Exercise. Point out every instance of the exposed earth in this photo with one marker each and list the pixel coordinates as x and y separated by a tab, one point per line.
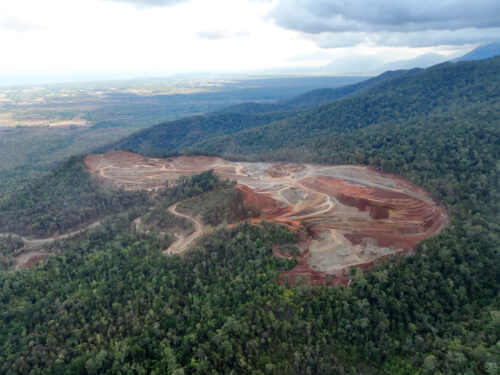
29	256
351	215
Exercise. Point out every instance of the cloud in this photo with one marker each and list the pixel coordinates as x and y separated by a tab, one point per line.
141	4
391	22
426	38
149	3
14	24
216	34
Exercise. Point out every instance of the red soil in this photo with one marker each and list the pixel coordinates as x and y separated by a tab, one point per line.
261	202
355	216
33	260
400	220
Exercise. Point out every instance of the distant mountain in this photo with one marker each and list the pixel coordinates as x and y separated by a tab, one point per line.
422	61
482	52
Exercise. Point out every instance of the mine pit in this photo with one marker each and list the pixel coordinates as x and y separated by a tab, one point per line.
354	215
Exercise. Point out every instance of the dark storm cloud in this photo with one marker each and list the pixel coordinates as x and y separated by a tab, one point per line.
396	22
425	38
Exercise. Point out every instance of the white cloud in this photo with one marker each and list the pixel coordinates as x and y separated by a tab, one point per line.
102	36
216	34
13	24
149	3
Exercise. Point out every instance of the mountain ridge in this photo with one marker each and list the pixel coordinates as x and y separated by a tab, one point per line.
482	52
392	96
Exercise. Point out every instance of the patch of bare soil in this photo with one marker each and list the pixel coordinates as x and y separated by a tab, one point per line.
354	215
30	258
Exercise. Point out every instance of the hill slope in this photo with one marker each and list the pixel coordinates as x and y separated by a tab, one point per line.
64	199
252	128
185	133
447	88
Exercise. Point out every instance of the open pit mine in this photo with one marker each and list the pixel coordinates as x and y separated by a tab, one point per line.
352	215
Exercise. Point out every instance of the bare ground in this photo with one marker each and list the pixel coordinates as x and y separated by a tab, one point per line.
354	215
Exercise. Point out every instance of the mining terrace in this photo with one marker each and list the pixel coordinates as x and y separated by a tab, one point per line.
354	215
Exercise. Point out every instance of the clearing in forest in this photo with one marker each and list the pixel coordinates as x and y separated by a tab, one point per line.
353	215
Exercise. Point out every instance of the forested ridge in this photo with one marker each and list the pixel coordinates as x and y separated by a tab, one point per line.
314	97
187	133
466	87
463	90
181	134
111	303
66	198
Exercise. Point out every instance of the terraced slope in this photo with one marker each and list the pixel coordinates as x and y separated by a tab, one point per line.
354	215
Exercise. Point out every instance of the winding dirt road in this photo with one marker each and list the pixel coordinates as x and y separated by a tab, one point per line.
26	258
39	242
183	242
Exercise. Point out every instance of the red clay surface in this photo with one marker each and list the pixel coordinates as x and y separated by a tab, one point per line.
349	216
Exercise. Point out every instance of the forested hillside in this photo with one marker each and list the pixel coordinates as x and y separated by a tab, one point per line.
398	97
462	90
179	135
64	199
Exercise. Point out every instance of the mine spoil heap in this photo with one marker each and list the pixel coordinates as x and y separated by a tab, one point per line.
354	215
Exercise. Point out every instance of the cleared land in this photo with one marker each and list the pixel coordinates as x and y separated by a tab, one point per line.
352	215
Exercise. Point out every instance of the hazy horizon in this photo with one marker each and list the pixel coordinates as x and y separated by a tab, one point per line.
60	41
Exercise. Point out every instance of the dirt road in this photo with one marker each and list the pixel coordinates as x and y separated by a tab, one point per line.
26	258
39	242
183	242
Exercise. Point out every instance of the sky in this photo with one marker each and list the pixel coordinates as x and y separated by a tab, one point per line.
134	38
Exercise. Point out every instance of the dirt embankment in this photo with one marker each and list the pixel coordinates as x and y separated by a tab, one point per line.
354	215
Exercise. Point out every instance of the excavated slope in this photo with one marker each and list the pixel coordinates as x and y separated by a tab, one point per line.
353	215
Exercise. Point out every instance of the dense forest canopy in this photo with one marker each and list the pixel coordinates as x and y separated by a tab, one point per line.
111	303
